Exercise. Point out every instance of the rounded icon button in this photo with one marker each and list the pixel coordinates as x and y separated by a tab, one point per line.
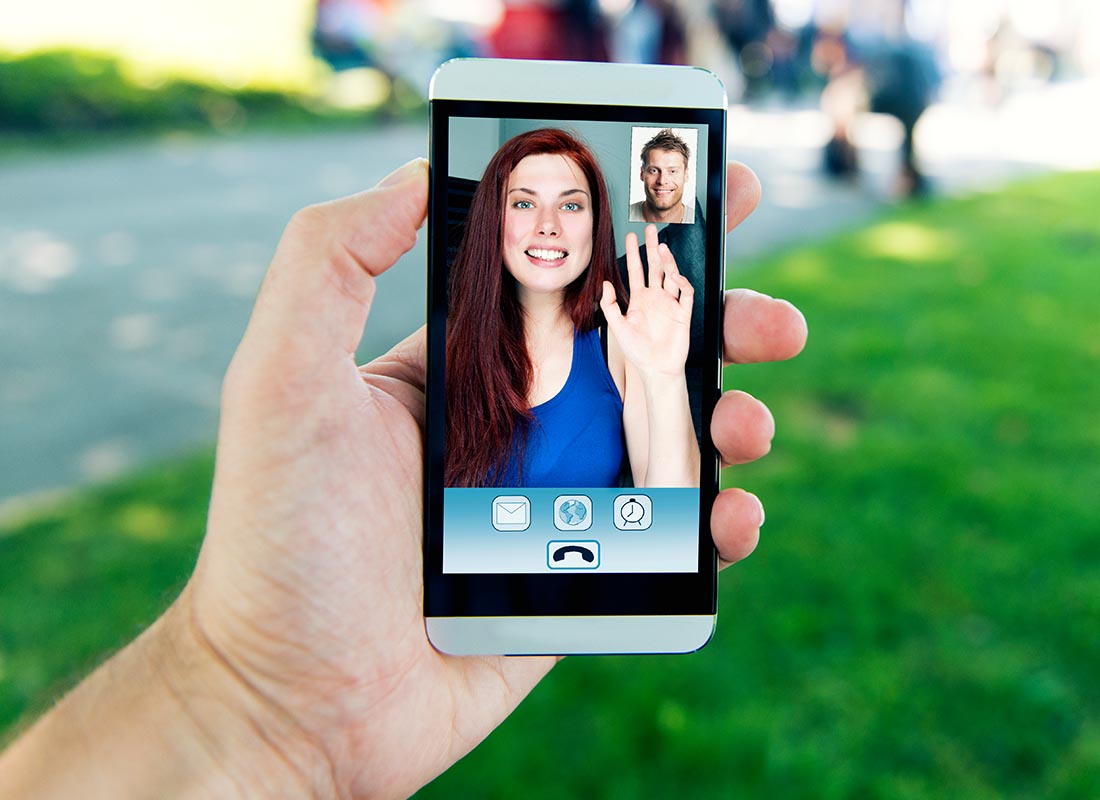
511	513
633	512
573	555
572	512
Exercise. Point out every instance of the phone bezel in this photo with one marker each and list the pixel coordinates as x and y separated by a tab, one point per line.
633	596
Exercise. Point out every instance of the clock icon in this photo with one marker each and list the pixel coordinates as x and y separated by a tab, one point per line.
633	512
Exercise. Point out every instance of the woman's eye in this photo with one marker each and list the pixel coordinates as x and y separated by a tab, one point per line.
571	207
523	204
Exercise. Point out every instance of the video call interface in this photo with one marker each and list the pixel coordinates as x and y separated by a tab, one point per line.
565	499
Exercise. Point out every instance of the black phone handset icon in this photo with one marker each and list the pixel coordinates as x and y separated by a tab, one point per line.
583	552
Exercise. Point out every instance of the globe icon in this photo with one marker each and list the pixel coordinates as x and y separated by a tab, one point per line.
572	512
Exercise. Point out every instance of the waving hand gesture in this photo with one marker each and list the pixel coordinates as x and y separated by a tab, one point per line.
656	331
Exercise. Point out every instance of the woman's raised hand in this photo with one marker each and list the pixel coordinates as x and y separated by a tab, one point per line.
655	332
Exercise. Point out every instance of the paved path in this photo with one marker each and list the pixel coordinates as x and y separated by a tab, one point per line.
127	275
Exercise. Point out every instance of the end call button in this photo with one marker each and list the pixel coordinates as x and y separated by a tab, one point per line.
573	554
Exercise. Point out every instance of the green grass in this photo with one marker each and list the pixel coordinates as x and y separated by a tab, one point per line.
80	580
71	98
921	618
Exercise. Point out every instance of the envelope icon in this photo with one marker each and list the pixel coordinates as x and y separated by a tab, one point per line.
511	513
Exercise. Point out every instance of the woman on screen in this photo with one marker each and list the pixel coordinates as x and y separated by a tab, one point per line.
550	368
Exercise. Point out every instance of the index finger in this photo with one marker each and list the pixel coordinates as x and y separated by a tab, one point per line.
742	193
755	327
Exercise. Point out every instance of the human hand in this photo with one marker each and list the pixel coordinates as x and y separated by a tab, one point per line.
655	332
296	661
310	581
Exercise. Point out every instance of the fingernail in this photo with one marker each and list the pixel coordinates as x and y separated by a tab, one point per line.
761	506
403	173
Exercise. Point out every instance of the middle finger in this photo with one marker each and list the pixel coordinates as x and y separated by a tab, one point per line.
653	258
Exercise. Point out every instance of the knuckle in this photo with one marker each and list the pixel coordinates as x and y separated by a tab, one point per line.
307	222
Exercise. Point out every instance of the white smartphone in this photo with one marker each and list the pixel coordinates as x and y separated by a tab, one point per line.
569	472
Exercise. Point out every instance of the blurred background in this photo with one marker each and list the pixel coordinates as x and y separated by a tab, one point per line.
920	619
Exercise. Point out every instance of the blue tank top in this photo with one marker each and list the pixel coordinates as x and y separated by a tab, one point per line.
576	440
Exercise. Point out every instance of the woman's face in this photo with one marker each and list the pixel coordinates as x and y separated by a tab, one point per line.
547	223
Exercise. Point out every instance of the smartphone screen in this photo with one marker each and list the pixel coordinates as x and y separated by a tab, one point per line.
569	463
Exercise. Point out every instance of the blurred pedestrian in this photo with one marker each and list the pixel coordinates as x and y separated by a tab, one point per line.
345	34
650	32
747	26
901	79
884	71
842	98
554	30
636	34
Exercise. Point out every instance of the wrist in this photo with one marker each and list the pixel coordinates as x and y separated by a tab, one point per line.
237	741
663	384
163	718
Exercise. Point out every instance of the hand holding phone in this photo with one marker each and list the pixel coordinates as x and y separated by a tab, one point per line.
302	622
342	542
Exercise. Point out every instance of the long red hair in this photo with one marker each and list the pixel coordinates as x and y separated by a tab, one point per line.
489	371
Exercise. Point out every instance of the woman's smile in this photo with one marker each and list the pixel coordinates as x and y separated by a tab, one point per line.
546	257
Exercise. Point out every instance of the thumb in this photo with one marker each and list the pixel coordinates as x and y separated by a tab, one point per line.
316	295
610	308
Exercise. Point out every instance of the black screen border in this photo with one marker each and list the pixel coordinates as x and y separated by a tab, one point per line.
586	594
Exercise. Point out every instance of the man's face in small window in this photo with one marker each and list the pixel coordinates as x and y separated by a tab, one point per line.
664	175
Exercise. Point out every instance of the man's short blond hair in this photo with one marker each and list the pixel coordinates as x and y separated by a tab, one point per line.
666	140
